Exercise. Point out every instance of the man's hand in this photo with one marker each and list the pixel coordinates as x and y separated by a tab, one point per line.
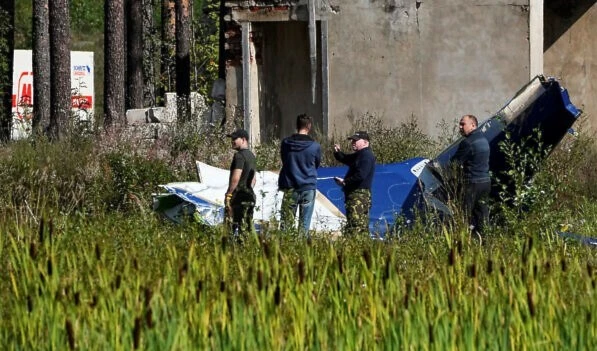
227	204
336	148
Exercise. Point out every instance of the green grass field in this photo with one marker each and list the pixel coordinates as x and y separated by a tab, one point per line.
84	264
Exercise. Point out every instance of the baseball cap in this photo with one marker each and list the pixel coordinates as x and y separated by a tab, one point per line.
359	135
239	133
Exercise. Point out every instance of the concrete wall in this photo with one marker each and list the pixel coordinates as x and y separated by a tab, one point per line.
279	81
435	60
571	51
285	81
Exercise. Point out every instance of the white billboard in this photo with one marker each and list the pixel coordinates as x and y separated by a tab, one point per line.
22	89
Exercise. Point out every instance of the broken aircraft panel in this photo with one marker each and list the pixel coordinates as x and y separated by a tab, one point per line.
414	186
403	189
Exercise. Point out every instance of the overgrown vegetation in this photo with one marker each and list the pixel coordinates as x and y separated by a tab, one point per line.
87	265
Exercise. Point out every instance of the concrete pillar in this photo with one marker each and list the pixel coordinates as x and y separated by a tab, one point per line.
535	37
246	54
254	125
250	86
325	78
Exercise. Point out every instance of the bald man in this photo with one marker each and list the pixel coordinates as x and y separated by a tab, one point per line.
473	156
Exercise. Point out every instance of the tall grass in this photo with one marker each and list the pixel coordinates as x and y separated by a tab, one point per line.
136	283
85	265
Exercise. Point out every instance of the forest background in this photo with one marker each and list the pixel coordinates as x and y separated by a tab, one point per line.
153	52
86	264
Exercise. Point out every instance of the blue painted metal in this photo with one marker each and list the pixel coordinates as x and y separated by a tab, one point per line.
542	105
580	238
395	192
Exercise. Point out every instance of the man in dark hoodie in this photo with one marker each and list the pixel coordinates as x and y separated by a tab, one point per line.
473	156
357	182
301	156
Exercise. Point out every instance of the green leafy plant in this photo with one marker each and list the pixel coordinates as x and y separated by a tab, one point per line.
519	193
205	49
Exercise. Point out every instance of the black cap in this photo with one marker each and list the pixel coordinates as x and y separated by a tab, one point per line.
359	135
239	133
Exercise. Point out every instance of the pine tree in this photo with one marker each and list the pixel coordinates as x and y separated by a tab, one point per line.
114	104
183	61
41	65
134	54
60	68
7	18
168	46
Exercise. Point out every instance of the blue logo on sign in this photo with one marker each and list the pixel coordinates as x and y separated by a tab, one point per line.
84	68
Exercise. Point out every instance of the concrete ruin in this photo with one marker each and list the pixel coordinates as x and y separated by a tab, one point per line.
151	122
435	60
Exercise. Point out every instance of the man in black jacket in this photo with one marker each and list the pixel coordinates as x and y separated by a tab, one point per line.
473	156
357	182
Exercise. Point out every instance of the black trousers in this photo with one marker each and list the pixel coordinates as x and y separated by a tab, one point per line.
243	206
476	196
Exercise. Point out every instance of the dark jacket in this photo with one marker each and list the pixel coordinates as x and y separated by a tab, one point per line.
473	155
361	167
301	156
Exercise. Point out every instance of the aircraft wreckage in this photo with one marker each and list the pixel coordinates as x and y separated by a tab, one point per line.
400	189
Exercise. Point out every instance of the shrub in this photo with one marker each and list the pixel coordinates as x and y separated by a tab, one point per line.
574	165
80	174
192	142
133	178
389	143
47	174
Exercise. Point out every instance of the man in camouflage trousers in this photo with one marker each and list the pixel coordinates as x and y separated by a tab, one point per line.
357	182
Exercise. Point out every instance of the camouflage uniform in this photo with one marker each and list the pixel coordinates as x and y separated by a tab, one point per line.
358	204
357	184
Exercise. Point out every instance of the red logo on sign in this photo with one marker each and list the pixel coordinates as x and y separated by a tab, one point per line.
24	90
82	102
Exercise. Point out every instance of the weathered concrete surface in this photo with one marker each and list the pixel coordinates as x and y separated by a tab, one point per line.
285	83
571	51
435	60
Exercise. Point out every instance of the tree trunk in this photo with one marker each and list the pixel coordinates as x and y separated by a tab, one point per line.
114	63
60	88
168	45
41	66
148	55
134	62
183	62
7	25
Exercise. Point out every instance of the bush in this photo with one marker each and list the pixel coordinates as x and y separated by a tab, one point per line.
52	175
81	174
268	155
133	178
389	143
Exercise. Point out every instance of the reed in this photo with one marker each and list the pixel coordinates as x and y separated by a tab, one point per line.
82	271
